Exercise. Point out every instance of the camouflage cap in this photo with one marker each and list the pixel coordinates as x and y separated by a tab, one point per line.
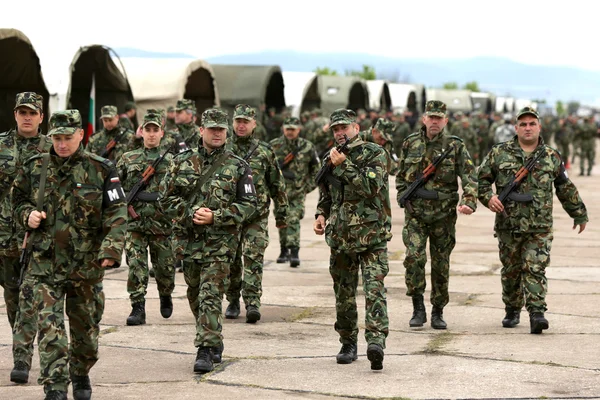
318	112
108	112
170	109
244	111
213	118
30	100
291	122
385	127
528	110
153	116
342	116
130	105
185	104
435	108
65	122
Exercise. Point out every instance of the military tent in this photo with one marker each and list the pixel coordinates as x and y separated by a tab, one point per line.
505	105
96	63
407	97
160	82
379	95
254	85
456	100
483	102
301	91
342	92
20	71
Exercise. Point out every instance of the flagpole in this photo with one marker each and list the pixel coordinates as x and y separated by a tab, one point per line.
91	126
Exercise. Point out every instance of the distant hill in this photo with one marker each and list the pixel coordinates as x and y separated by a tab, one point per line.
129	52
497	75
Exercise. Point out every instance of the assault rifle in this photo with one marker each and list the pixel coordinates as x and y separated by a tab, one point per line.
416	188
509	191
136	191
328	165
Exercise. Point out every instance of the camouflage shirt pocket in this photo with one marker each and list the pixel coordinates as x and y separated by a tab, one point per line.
88	206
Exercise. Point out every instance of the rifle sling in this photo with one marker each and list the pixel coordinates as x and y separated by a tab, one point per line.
251	151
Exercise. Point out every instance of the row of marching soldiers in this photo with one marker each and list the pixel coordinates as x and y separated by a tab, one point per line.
195	196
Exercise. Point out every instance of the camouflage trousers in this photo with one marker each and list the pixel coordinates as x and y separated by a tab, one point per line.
83	302
586	154
524	258
442	238
344	269
206	286
290	235
246	271
564	149
9	280
161	256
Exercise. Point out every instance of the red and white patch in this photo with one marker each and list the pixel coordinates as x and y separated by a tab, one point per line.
115	179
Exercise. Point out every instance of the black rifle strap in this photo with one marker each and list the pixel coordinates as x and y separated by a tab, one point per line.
252	150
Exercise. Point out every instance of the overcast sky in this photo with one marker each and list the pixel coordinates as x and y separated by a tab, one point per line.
528	31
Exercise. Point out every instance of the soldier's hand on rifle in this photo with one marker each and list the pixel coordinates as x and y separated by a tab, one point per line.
465	210
495	205
581	227
203	216
336	157
35	218
319	225
107	263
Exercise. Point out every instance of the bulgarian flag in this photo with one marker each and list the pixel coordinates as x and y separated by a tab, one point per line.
91	125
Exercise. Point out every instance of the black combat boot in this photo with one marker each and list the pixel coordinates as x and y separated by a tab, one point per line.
538	322
20	372
166	306
217	353
138	314
581	173
375	355
233	310
204	362
294	257
284	256
82	388
252	314
419	316
55	395
437	318
347	354
512	317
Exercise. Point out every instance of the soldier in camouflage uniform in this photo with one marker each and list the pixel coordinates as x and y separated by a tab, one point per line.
78	232
150	229
126	119
170	122
524	229
353	199
462	129
209	192
481	125
299	163
433	219
247	268
16	147
185	116
587	145
562	138
124	138
380	134
400	132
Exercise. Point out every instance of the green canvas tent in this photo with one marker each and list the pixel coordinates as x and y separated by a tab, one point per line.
254	85
342	92
456	100
20	71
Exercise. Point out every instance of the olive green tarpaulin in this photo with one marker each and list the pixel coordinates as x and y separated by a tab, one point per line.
20	71
254	85
456	100
112	86
342	92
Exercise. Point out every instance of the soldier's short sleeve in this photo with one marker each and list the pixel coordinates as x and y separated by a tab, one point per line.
113	192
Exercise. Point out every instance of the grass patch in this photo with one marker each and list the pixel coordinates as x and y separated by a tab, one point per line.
437	343
305	313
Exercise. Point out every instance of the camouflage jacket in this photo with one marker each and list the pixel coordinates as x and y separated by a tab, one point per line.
266	174
587	135
14	151
401	131
469	138
300	173
500	166
229	193
417	153
125	142
358	213
126	122
86	215
190	133
130	168
390	152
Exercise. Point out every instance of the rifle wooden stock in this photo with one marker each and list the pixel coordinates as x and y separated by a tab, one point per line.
132	213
